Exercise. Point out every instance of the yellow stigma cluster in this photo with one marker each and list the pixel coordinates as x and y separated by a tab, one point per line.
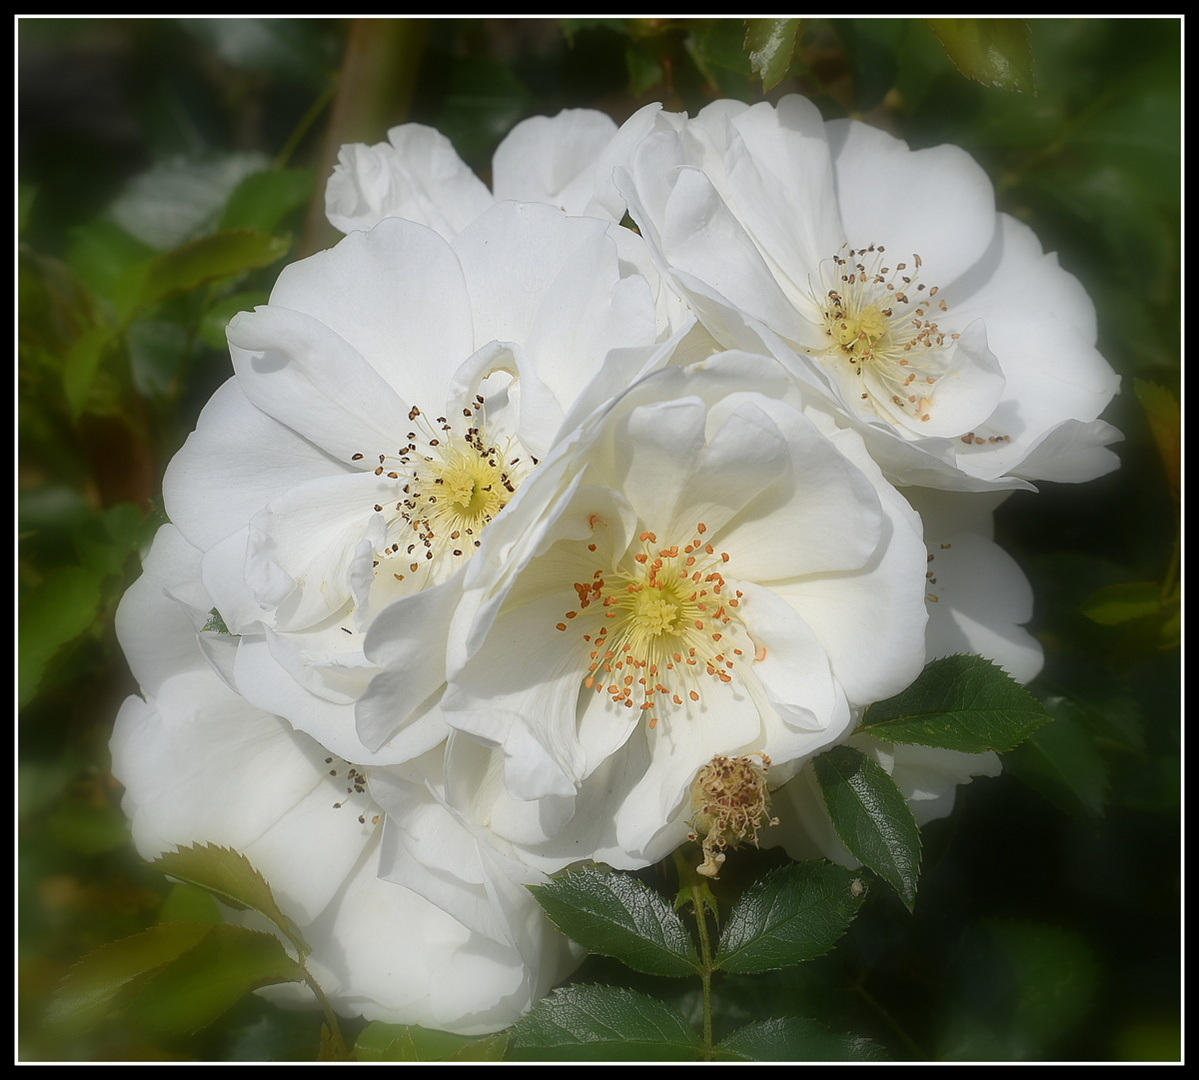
452	483
659	622
882	322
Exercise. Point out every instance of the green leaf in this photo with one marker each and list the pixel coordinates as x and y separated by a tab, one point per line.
107	538
82	363
264	199
189	903
771	46
603	1023
793	1039
225	965
199	262
397	1042
1165	421
792	914
618	916
230	877
871	817
95	984
385	1042
1017	989
214	321
1115	604
216	624
994	52
61	608
963	703
1062	762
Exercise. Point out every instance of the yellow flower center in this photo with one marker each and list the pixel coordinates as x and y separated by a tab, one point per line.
659	623
882	322
451	482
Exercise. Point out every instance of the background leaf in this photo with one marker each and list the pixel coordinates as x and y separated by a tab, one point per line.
994	52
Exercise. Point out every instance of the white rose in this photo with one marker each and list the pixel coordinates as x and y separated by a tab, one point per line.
702	570
962	353
201	765
387	403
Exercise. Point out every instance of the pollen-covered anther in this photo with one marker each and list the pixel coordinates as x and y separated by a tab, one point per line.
888	338
664	611
730	803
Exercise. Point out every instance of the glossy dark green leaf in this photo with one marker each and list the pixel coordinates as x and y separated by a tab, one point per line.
97	982
994	52
794	1039
61	608
200	262
194	989
963	703
602	1023
771	46
616	915
230	877
871	817
792	914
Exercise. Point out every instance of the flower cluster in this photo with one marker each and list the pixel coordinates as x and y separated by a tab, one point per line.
520	538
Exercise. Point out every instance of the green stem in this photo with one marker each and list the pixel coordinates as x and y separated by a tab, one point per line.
337	1043
695	889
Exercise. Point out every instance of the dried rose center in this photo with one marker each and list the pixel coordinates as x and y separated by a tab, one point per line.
659	623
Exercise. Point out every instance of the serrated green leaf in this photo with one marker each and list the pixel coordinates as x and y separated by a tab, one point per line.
963	703
189	903
994	52
792	914
95	985
794	1039
199	262
1115	604
871	817
230	877
215	624
618	916
771	46
261	200
62	607
602	1023
202	983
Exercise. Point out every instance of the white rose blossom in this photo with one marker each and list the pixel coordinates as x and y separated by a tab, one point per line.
203	766
962	353
564	161
387	403
702	569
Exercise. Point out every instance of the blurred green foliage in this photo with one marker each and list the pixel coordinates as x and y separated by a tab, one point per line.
167	170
